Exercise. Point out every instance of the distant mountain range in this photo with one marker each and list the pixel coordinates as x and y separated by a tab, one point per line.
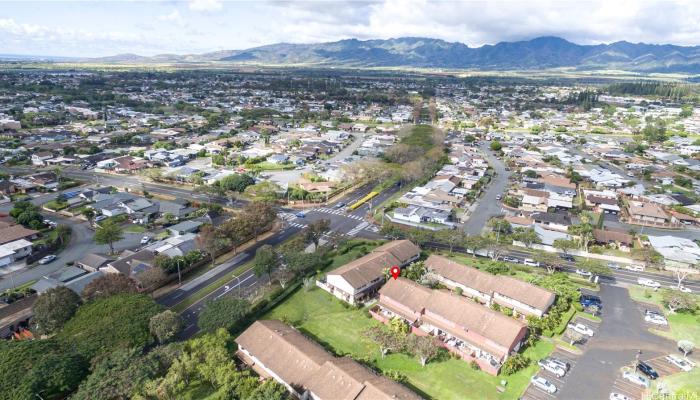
540	53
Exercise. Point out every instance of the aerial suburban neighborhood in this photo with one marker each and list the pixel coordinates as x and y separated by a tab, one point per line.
263	224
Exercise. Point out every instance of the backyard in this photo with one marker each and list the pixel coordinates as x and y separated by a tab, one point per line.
339	328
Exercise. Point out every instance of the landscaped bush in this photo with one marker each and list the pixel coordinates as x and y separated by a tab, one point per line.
514	364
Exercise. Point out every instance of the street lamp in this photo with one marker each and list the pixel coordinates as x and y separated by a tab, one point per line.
179	275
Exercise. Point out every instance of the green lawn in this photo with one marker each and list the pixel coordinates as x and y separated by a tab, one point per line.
683	381
682	325
421	135
340	328
135	229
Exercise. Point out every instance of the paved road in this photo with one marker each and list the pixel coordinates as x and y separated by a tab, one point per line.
81	243
621	334
487	205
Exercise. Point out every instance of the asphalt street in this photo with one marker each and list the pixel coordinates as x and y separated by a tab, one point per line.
615	344
488	206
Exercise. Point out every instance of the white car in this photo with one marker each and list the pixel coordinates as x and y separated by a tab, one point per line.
636	379
531	262
680	362
636	268
681	288
100	218
552	367
618	396
145	240
648	283
583	272
582	329
543	384
47	259
655	319
613	265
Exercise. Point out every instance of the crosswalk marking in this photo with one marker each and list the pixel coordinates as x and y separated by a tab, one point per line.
337	212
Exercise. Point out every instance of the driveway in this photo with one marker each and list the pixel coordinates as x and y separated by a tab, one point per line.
620	336
81	243
487	206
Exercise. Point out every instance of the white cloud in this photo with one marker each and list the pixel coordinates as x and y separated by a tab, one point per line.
173	17
205	5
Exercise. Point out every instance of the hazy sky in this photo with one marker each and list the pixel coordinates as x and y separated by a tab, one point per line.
98	28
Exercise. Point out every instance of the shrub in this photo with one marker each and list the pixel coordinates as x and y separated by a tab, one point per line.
475	365
514	364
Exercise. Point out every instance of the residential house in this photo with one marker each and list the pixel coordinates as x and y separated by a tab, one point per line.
621	240
39	158
679	253
275	350
189	226
646	213
92	262
13	251
12	233
465	328
523	297
358	280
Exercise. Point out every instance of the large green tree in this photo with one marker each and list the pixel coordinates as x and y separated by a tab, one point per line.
108	285
165	326
110	323
39	367
225	312
54	308
265	261
108	232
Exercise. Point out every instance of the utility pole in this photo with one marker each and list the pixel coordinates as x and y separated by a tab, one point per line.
179	276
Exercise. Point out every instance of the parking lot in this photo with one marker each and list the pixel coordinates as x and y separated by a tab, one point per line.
533	392
654	308
636	392
584	343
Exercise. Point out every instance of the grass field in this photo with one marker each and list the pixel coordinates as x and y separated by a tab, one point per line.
682	325
684	381
339	328
421	135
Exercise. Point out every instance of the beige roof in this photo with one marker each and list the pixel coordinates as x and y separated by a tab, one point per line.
647	209
303	363
284	350
471	316
485	282
366	269
403	250
401	290
465	314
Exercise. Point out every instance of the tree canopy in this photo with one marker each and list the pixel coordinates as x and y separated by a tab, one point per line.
54	308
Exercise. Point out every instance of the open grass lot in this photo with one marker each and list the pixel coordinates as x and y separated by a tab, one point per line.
339	328
683	381
682	325
420	135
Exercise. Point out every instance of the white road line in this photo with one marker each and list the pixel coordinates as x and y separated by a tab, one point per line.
235	286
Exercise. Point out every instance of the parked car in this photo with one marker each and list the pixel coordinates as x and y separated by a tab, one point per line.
567	257
613	265
681	288
563	364
531	262
618	396
552	367
636	379
145	239
681	362
47	259
498	197
543	384
648	283
581	328
511	259
655	318
588	300
583	272
647	370
636	268
300	215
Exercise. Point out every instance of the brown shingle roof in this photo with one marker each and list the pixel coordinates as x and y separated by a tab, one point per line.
612	236
366	269
487	283
15	232
303	363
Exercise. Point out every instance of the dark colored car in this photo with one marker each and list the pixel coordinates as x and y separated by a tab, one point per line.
567	257
588	300
647	370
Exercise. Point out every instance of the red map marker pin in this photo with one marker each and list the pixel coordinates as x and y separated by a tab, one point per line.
395	271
